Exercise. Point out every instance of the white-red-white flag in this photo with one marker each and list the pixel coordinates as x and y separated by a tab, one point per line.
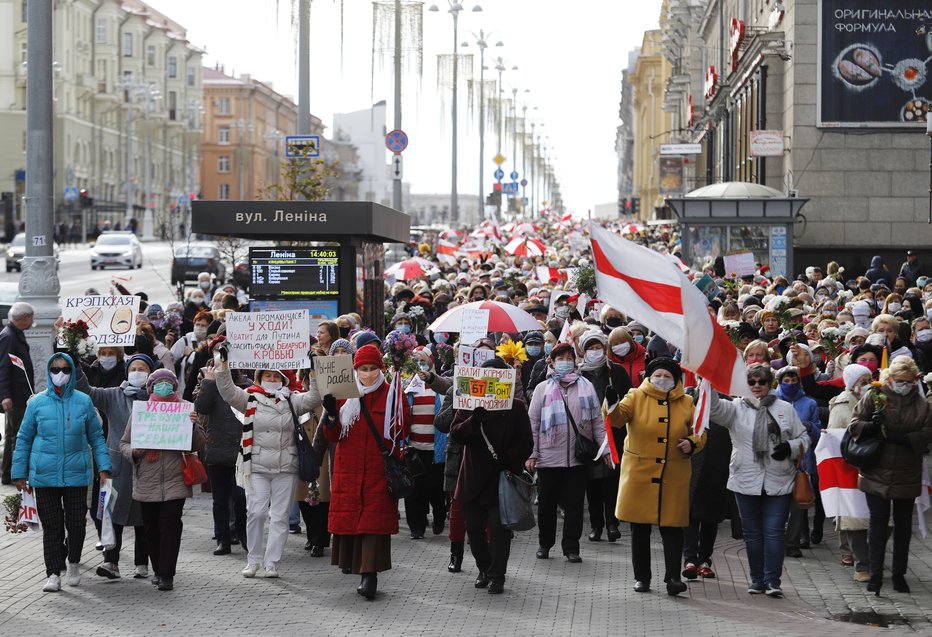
701	412
447	252
16	360
565	335
647	287
838	480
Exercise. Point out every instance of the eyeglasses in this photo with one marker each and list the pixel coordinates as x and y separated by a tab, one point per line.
55	370
758	381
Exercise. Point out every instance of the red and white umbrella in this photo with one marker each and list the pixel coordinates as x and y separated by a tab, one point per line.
631	228
524	229
410	269
503	317
524	247
451	234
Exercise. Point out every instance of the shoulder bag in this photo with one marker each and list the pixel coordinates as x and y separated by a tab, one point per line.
586	449
192	470
803	496
308	462
863	453
399	478
515	496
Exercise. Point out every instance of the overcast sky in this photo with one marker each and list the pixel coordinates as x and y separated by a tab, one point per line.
570	55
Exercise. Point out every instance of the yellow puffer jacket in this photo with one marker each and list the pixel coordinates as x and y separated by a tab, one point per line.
654	486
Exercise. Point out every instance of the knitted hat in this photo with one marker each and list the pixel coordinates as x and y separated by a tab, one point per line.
588	338
533	337
789	369
154	310
559	349
401	316
426	353
855	333
634	325
853	373
340	342
140	357
667	363
160	375
368	355
866	348
257	377
366	338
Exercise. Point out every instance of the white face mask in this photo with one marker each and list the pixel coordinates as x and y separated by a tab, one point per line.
622	349
200	333
902	387
924	336
859	389
368	379
595	356
60	379
137	379
107	362
663	383
270	386
197	299
894	307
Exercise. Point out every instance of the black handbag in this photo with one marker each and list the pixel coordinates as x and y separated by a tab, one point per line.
397	475
413	461
308	462
515	496
863	453
586	449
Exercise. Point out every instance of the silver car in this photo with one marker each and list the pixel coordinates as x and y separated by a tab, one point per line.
17	250
116	249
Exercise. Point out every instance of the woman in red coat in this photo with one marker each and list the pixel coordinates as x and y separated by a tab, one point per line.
363	514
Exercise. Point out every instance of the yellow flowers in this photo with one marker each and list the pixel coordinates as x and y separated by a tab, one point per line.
512	351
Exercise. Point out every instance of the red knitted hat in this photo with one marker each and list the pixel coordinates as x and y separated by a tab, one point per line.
368	355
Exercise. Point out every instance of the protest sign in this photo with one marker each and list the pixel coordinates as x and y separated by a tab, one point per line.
473	356
162	425
111	320
475	325
741	263
708	287
335	376
487	387
268	340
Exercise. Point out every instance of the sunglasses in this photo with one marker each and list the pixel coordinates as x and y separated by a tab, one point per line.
758	381
55	370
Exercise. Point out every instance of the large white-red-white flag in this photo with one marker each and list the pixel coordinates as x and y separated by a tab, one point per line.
838	480
646	286
447	252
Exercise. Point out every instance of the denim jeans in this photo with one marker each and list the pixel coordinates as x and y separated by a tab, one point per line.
764	520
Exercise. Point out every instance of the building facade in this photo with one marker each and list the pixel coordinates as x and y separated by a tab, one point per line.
127	91
366	130
624	137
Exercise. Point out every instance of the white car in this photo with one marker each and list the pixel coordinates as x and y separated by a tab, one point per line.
116	248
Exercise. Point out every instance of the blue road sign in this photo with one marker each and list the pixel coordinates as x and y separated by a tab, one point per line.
71	193
396	141
523	183
514	175
499	174
302	146
510	188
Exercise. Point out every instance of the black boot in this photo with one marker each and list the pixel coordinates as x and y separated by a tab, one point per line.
613	532
899	584
456	557
482	580
222	549
595	535
875	585
368	585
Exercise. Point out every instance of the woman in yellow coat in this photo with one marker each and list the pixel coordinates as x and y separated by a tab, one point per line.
655	468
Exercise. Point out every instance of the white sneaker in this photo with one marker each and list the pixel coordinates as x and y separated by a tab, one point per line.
73	576
109	570
53	585
141	572
250	570
271	572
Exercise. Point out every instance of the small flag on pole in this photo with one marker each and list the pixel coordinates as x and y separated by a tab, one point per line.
701	413
16	360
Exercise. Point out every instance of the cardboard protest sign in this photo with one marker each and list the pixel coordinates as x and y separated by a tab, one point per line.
741	263
162	425
475	325
487	387
335	376
111	320
473	356
268	340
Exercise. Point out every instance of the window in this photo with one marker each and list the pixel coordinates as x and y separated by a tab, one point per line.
101	75
127	45
191	75
100	36
172	67
150	55
223	191
223	105
223	135
172	105
23	46
223	164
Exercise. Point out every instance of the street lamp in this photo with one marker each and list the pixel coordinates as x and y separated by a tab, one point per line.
454	10
482	43
150	93
929	133
500	116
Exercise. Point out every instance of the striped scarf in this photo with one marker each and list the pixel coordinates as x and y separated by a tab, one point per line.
248	419
553	411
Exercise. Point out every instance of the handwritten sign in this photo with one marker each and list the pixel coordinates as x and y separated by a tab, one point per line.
475	325
162	425
487	387
268	340
473	356
741	263
110	319
335	376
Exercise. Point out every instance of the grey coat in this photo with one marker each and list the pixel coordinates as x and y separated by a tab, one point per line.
442	422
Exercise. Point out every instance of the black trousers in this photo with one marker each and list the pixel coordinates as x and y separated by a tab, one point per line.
163	534
672	537
61	509
564	486
225	491
877	533
315	519
491	558
602	495
140	547
428	494
699	540
13	419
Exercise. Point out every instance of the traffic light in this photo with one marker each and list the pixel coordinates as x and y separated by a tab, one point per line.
636	205
86	201
495	197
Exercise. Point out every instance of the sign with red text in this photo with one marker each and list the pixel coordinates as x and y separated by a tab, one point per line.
162	425
111	320
767	143
268	340
487	387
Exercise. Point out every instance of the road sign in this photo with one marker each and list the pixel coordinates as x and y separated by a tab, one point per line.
680	149
396	167
499	174
523	183
302	146
396	141
514	175
510	188
499	159
71	193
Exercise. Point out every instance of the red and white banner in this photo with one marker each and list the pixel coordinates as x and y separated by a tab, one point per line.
646	286
838	480
546	274
447	252
701	412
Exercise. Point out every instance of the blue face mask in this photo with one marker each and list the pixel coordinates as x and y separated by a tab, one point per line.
533	350
440	338
163	389
404	329
563	366
790	390
639	338
548	347
424	367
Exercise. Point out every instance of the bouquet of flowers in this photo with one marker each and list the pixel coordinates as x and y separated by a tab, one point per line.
444	356
833	340
512	352
732	329
11	504
398	347
418	317
585	281
780	306
74	338
171	323
390	310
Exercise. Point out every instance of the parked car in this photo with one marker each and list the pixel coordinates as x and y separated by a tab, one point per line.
17	250
9	294
191	259
116	248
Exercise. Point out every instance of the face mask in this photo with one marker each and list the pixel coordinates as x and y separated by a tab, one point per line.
137	379
440	338
59	379
894	307
595	356
404	329
424	367
902	387
562	312
109	362
639	339
621	349
924	336
859	390
200	333
790	390
663	384
344	332
563	367
613	321
871	365
163	389
533	350
929	313
197	300
204	285
548	347
368	378
270	386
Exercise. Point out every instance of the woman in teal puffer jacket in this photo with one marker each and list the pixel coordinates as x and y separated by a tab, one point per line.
52	453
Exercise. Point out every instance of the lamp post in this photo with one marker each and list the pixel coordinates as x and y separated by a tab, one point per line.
500	116
929	133
482	43
151	94
454	10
